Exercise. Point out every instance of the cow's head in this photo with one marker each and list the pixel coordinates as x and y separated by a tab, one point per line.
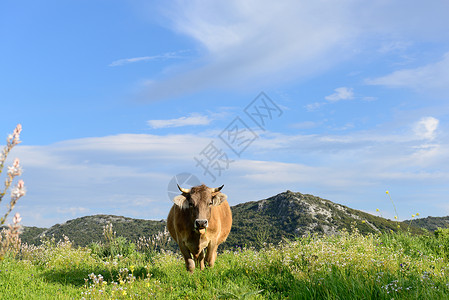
199	201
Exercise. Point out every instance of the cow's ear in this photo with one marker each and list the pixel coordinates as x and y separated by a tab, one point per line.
218	198
181	201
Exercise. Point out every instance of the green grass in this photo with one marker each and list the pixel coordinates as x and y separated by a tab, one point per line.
347	266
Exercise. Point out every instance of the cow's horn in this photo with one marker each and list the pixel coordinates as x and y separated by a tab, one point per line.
185	191
217	189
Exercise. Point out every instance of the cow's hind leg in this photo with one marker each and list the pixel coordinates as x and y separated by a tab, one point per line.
211	254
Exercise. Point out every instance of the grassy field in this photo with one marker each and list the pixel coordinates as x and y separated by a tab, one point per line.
347	266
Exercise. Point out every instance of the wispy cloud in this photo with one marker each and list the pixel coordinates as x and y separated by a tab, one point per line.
314	106
394	47
73	210
125	61
431	76
305	125
191	120
341	93
239	53
242	39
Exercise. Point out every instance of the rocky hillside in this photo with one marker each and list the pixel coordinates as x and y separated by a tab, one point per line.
291	215
287	215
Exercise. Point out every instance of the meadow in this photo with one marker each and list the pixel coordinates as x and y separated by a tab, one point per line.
344	266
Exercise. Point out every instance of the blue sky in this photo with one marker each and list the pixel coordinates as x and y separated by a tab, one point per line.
118	97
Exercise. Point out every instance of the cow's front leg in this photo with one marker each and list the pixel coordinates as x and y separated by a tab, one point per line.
190	264
211	254
200	260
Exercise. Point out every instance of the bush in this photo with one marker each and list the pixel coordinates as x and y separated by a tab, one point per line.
442	236
113	246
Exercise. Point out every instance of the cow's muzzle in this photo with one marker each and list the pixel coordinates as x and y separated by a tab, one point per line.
201	224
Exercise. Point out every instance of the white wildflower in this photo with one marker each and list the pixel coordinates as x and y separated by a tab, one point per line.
17	218
18	191
15	169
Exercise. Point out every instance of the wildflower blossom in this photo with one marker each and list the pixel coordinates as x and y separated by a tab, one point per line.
17	218
18	191
15	169
16	134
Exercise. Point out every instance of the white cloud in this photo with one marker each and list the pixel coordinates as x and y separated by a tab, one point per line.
73	210
193	119
251	42
426	128
369	98
394	47
341	93
431	76
305	125
314	106
128	174
260	43
124	61
354	169
111	174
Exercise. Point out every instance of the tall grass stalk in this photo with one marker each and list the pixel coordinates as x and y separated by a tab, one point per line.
9	237
394	206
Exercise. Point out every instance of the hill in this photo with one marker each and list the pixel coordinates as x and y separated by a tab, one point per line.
431	223
85	230
291	215
287	215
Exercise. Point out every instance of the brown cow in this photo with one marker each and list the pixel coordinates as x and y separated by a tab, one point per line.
200	219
